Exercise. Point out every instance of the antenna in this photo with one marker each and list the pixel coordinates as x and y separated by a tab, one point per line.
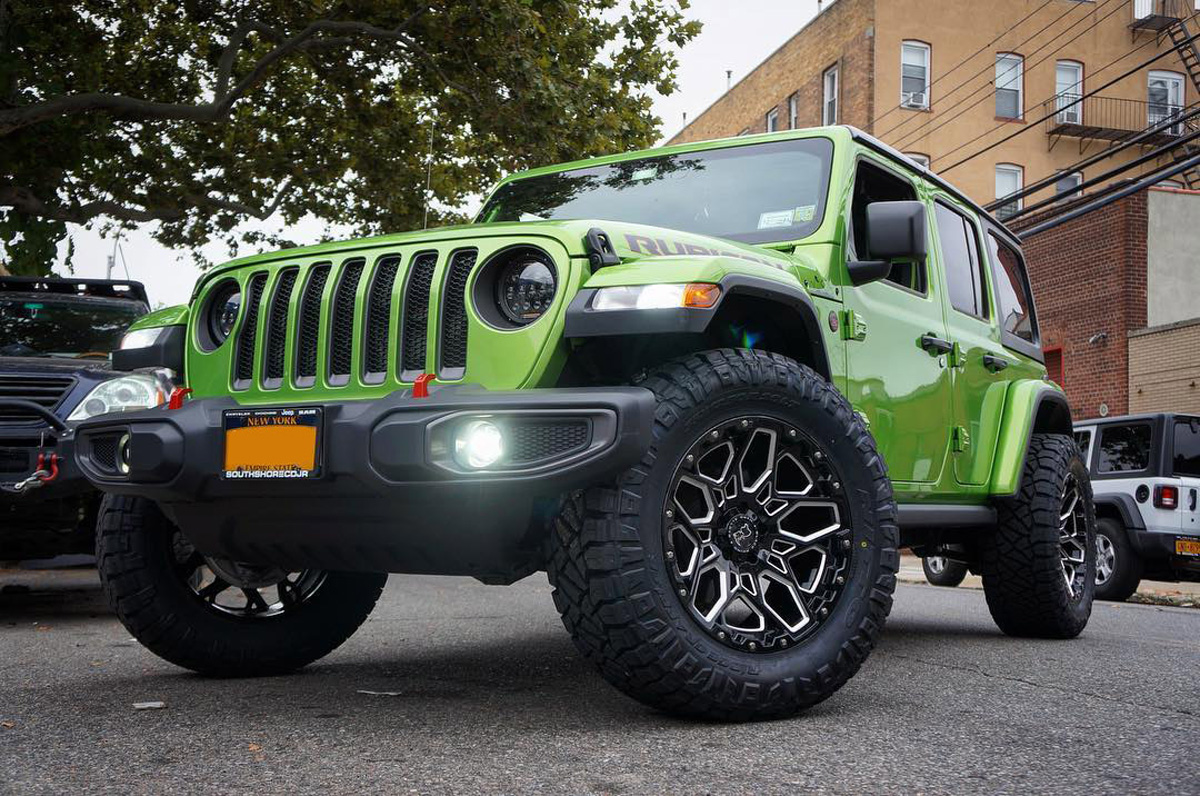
428	175
685	118
728	79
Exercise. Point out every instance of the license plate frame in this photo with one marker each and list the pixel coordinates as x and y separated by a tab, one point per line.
1187	546
272	444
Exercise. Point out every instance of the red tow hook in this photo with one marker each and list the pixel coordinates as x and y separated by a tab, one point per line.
47	465
177	396
421	385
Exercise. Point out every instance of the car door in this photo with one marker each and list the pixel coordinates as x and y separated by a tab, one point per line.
902	388
1186	467
1125	463
977	360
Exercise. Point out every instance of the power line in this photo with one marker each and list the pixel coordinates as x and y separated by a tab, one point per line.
1192	111
911	135
970	57
1113	196
1057	110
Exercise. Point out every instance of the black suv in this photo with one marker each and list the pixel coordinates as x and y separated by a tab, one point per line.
56	341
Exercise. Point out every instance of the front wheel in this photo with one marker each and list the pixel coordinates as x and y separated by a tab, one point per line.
942	571
216	616
1039	565
744	568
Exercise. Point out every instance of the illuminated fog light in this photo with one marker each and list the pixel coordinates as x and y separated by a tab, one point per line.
478	444
123	454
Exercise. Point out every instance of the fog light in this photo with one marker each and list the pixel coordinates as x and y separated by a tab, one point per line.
123	454
478	444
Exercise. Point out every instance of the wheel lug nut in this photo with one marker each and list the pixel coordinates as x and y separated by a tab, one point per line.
683	592
670	513
846	544
824	612
753	646
840	580
721	635
670	555
792	433
714	434
783	642
690	458
818	456
744	423
837	484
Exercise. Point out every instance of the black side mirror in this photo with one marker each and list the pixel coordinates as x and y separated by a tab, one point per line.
895	231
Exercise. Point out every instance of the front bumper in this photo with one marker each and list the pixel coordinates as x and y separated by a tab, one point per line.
389	495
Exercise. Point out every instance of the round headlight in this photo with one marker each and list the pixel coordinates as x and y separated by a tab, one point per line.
223	312
525	289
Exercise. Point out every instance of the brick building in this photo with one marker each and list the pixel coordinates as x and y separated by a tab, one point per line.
942	79
1118	297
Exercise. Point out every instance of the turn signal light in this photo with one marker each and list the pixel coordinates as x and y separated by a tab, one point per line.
1166	496
701	296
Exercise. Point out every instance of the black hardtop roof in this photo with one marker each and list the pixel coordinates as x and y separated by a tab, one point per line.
66	286
1145	416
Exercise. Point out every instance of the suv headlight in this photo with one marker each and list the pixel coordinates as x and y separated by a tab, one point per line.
124	393
656	297
525	287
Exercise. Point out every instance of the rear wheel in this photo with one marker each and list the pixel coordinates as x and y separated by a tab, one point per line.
217	616
1118	567
1039	565
745	567
941	571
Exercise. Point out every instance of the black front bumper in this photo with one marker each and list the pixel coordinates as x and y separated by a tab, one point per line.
390	495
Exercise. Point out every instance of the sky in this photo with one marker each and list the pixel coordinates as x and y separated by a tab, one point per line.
737	36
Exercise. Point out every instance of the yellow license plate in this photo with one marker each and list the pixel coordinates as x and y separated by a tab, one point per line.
272	443
1187	547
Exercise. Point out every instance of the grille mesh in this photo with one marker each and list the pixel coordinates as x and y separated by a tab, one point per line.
309	327
104	452
14	461
416	313
277	324
244	367
453	345
379	318
45	391
341	345
531	442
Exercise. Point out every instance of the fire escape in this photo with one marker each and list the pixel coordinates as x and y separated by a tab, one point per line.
1190	55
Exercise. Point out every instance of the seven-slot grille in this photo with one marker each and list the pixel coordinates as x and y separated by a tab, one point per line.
293	303
45	391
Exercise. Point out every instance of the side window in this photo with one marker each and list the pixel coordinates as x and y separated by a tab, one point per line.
875	184
959	247
1187	447
1124	449
1012	291
1083	438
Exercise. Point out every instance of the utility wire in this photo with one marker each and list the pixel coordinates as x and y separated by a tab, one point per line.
1057	110
1192	111
912	134
971	57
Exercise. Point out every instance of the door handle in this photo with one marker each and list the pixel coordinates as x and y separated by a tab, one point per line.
1192	500
994	363
936	345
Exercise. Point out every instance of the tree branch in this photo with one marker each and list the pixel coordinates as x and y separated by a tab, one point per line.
224	97
241	208
26	201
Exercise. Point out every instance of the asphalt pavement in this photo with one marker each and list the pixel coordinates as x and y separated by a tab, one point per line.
457	687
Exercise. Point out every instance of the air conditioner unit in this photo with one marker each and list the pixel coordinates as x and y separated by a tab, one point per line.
914	99
1068	116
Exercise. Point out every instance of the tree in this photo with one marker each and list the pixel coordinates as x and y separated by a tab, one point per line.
197	115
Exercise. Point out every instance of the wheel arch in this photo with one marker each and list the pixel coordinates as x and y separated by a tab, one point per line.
752	312
1031	406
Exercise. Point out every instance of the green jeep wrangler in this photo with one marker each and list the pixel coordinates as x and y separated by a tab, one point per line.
709	389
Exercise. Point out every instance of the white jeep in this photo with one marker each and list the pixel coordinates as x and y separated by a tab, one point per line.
1145	477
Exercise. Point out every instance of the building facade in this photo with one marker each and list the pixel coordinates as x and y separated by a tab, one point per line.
942	80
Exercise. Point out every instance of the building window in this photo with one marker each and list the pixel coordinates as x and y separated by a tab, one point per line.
1067	184
829	106
793	112
1068	88
914	74
1009	179
1009	86
917	157
1165	99
772	120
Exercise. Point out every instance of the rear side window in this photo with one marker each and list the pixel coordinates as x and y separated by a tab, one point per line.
1187	447
1124	449
959	248
1012	291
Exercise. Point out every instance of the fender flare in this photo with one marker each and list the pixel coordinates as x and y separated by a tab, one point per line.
584	322
1031	406
1127	509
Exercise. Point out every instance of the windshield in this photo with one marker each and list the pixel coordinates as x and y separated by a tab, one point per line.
755	193
63	327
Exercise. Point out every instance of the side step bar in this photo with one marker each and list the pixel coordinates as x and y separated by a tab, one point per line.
919	515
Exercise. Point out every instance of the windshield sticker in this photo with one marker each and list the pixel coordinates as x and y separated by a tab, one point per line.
804	214
645	174
775	218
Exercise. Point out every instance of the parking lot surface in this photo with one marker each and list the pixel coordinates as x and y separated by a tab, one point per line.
456	687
